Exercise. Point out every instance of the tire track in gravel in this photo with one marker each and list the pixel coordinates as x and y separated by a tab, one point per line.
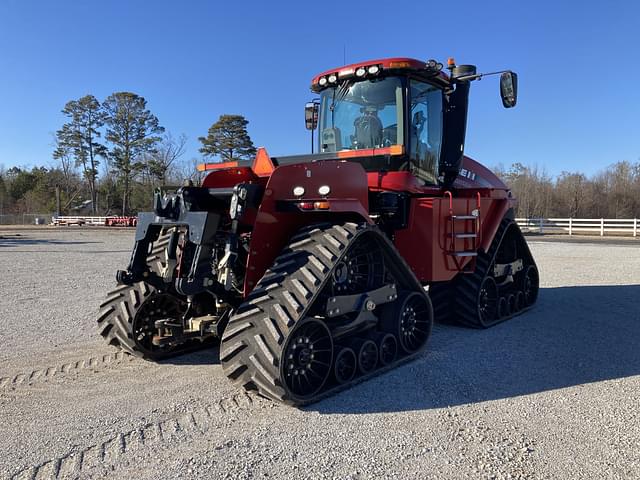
178	428
43	374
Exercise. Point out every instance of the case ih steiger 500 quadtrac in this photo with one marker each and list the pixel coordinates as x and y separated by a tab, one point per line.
317	271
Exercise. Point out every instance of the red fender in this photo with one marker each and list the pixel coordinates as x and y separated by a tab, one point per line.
348	200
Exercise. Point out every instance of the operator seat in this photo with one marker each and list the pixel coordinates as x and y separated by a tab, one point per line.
417	146
368	130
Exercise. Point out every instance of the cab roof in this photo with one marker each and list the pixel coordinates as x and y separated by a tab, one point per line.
394	63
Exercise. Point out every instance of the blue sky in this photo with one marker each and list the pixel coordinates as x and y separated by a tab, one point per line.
578	66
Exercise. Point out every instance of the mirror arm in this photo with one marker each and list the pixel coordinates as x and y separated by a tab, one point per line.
477	76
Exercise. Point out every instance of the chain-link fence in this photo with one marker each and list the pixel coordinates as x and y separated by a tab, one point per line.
26	219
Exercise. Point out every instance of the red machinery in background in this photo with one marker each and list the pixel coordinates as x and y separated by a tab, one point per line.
122	221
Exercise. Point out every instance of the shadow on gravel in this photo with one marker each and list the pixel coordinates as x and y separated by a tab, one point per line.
208	356
11	241
574	336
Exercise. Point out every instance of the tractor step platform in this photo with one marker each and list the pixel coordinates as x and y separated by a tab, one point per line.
464	235
465	254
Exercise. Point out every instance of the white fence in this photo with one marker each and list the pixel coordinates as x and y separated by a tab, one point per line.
585	226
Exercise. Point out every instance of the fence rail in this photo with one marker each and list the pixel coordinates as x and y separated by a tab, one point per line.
51	219
112	220
596	226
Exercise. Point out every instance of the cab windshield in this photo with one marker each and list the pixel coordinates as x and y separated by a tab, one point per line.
361	115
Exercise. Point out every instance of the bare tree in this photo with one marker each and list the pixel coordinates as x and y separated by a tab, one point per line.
571	193
188	171
63	153
160	161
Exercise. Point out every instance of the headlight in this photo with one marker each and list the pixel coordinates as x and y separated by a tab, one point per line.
373	69
323	81
333	78
324	190
360	72
298	191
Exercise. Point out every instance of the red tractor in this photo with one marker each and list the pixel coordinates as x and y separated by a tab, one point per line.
317	271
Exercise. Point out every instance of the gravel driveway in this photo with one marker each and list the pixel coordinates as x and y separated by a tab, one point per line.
551	394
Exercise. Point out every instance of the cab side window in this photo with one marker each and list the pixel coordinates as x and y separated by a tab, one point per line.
425	130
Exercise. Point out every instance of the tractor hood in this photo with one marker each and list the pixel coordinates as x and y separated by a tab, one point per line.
263	165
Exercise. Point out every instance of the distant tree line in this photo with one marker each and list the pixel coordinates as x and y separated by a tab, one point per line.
110	156
612	193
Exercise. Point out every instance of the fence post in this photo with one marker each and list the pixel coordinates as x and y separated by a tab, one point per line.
570	227
541	224
602	227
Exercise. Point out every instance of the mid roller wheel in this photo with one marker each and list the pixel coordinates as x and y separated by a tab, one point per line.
345	365
511	304
530	285
488	301
410	319
387	348
367	353
519	300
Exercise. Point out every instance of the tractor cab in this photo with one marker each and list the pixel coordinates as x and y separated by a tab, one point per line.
397	114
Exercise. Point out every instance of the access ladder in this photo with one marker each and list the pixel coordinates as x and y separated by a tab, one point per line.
466	228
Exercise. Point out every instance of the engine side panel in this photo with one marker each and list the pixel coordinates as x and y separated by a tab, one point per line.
425	242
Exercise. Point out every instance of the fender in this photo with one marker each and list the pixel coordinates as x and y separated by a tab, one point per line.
348	199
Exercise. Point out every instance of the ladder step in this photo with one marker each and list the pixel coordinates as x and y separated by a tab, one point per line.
463	217
465	254
466	235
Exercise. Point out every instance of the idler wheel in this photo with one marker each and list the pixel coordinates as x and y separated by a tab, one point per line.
345	365
307	358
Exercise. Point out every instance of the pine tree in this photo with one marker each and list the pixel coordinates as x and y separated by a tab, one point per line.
132	132
228	138
80	136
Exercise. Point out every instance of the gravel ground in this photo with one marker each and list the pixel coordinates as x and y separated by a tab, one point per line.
550	394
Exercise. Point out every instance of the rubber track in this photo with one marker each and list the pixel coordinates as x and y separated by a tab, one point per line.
117	311
441	297
254	339
465	291
44	374
184	427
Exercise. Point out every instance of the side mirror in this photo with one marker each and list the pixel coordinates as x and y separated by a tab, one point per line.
311	115
509	89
